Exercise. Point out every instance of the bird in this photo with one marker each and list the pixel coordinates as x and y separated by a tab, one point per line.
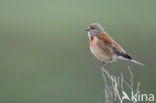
104	47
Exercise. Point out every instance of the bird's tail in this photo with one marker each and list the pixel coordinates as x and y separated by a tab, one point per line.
136	62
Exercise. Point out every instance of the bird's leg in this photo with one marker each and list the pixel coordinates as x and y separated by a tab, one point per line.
104	65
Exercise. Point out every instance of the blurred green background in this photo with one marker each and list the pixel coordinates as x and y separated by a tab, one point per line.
45	56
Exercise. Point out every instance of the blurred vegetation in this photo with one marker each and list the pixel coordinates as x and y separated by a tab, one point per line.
45	56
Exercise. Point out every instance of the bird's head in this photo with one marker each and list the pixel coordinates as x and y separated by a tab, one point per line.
95	29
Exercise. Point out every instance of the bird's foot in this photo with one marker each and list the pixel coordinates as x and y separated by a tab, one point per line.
104	65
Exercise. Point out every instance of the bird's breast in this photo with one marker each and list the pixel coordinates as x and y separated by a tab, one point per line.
92	42
100	53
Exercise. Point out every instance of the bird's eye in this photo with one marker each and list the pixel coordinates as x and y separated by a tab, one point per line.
92	28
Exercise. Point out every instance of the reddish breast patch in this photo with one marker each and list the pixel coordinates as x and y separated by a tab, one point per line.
91	41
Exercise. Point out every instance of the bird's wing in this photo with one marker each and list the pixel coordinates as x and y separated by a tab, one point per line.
108	41
122	55
116	48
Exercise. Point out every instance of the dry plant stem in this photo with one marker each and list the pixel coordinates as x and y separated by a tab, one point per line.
107	90
114	87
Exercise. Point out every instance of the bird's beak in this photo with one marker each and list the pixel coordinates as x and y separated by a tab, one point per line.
87	29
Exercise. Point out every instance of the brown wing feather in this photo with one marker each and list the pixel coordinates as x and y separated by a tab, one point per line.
110	42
